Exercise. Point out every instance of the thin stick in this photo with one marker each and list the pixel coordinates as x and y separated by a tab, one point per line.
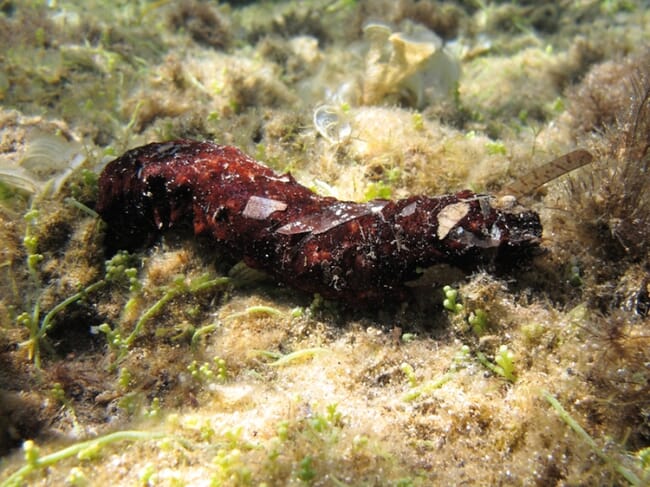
547	172
575	426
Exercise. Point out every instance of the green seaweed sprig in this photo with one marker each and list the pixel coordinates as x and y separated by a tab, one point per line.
504	363
418	389
34	461
179	286
450	302
625	472
115	270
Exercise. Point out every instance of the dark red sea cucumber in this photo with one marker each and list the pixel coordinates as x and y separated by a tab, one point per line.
356	252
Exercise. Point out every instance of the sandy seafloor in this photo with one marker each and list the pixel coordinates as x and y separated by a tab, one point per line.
174	365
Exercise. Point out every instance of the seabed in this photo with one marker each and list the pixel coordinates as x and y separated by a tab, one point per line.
176	365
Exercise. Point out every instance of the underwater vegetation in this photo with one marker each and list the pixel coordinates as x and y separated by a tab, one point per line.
619	209
175	363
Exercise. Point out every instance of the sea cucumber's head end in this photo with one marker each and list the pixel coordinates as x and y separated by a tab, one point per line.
523	230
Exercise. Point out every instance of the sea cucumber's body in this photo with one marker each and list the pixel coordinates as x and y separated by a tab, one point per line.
356	252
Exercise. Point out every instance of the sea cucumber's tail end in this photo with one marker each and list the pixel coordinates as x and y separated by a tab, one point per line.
139	196
128	199
120	205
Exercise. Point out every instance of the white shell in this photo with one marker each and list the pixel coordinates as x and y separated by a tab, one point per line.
449	216
259	208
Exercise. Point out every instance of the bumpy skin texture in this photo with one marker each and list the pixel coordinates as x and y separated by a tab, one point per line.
356	252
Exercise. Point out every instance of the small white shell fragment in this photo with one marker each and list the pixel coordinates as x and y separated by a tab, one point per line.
19	178
47	161
505	202
449	216
49	155
259	208
408	210
332	124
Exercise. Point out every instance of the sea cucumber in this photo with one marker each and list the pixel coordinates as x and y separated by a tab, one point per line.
355	252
